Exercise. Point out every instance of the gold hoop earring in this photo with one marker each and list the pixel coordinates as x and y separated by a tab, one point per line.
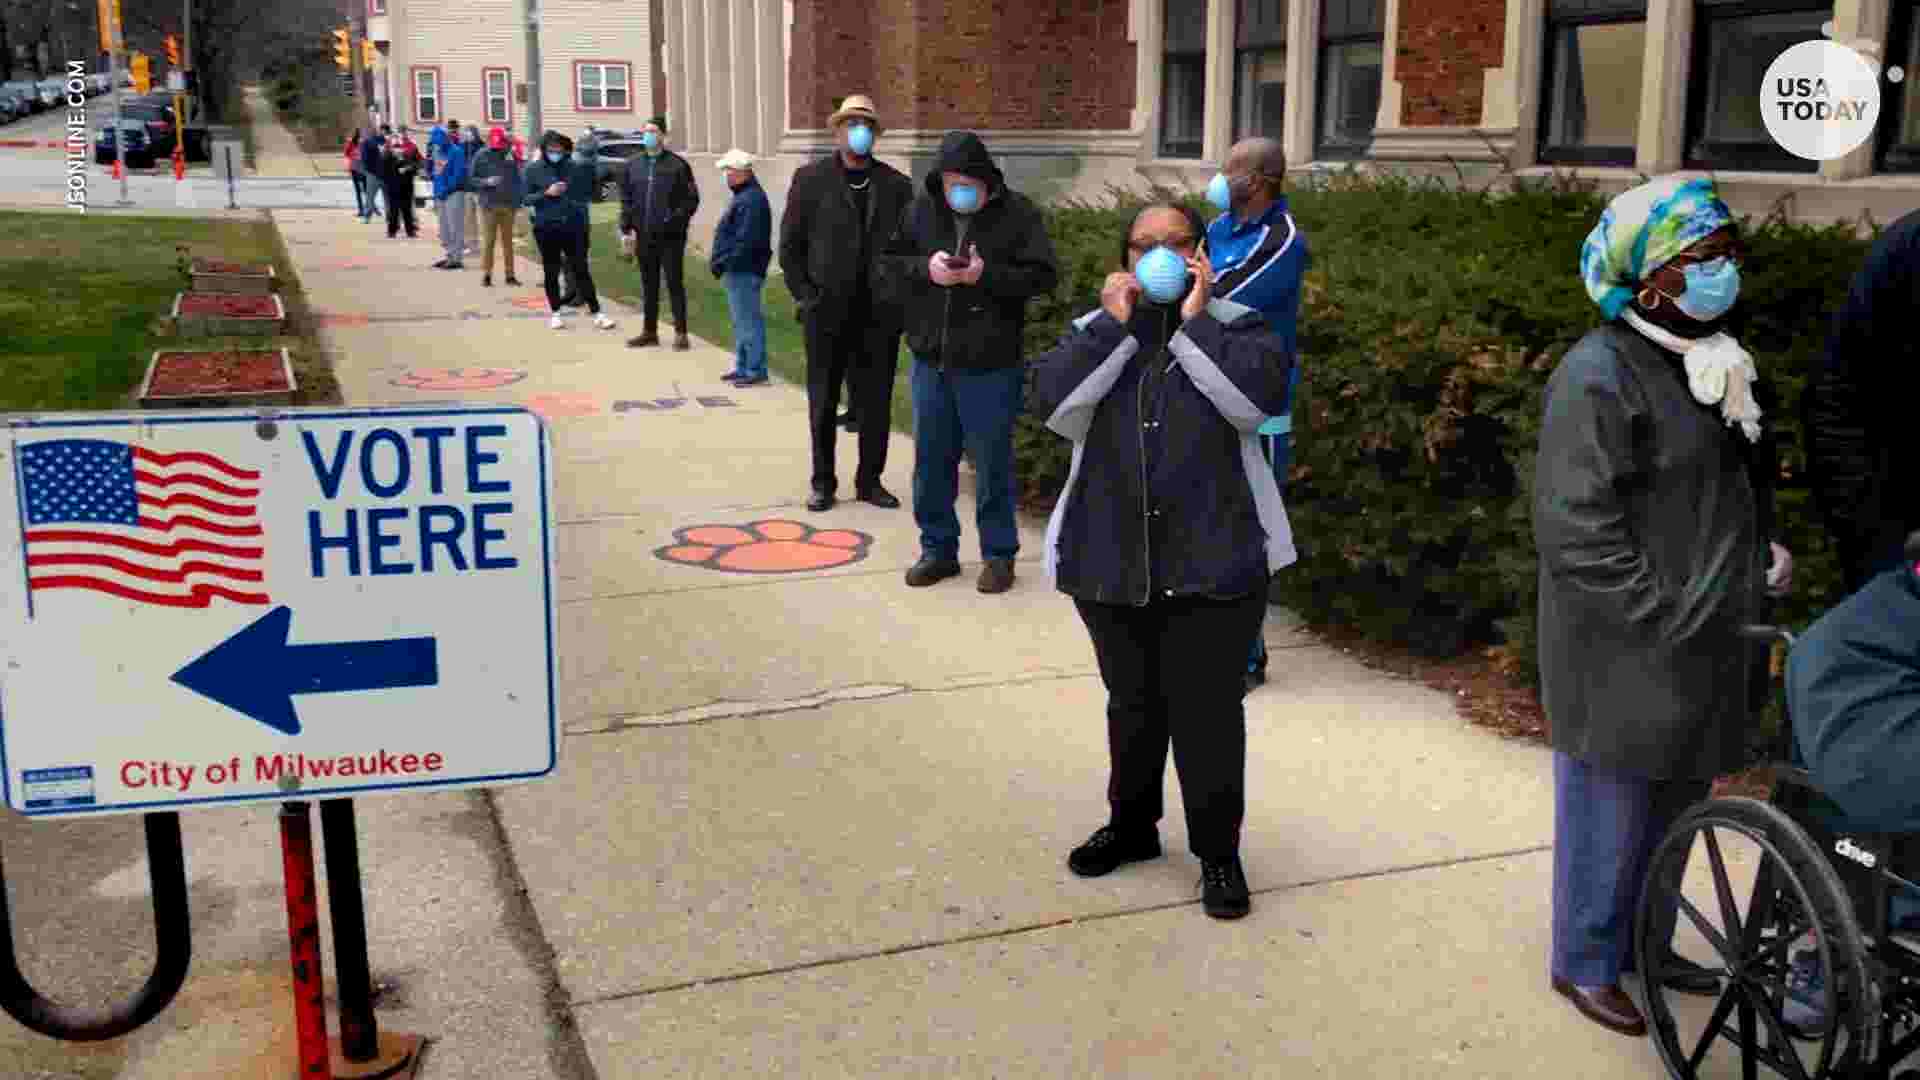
1642	300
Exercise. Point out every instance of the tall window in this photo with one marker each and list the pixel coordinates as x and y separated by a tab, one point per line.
1899	104
1260	69
499	90
1596	53
1734	42
426	94
376	7
602	87
1352	52
1183	85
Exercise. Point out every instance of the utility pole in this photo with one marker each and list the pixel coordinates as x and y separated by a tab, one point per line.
186	68
533	72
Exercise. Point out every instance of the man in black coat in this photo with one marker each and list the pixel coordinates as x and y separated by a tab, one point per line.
658	198
841	211
1856	409
967	258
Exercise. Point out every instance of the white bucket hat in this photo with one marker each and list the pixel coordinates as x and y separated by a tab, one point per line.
735	159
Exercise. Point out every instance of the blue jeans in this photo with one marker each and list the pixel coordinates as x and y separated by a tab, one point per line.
749	323
974	410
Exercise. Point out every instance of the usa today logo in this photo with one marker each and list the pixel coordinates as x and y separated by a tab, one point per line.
1821	99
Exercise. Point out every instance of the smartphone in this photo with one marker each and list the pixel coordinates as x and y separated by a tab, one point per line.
957	262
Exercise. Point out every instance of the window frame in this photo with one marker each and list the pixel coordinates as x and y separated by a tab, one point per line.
486	94
1169	53
1323	150
1244	48
1545	152
376	8
604	66
1696	152
1890	155
439	94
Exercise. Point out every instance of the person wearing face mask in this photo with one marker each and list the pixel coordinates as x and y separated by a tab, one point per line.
402	165
965	260
449	193
586	153
471	142
1166	534
658	198
559	191
742	248
495	179
840	211
1652	507
1260	255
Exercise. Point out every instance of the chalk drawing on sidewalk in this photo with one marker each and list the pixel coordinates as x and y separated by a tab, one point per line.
532	302
773	546
341	318
467	378
666	404
550	406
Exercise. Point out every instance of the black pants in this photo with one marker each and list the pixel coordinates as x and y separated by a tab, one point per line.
566	244
1173	672
848	348
657	253
400	207
569	292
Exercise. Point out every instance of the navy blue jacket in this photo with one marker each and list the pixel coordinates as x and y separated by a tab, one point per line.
743	240
1168	494
567	210
1853	691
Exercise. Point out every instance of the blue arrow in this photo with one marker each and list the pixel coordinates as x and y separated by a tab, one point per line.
256	672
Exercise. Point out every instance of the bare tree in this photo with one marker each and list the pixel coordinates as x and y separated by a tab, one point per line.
232	39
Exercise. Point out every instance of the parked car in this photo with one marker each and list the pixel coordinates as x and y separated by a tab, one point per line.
52	92
26	89
140	152
611	165
13	106
157	115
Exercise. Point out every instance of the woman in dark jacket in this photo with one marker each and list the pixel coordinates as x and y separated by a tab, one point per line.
558	191
1165	536
1651	494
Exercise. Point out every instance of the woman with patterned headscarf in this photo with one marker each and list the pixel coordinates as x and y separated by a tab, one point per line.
1651	511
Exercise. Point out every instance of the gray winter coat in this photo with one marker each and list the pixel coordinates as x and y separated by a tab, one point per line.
1647	522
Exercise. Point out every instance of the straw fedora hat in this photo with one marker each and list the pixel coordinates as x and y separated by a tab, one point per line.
855	107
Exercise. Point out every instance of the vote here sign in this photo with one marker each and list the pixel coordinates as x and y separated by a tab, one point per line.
216	607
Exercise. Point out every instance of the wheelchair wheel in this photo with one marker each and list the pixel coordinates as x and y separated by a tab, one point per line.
1795	905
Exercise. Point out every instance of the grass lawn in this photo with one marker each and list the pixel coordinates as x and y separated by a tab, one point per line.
707	309
84	300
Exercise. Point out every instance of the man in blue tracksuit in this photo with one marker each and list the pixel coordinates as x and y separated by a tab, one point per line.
1259	256
742	249
450	195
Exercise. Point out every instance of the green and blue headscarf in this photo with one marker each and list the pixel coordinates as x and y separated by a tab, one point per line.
1641	230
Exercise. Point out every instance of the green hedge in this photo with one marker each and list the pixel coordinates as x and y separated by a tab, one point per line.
1431	317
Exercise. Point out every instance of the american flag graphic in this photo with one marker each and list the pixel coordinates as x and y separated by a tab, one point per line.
173	529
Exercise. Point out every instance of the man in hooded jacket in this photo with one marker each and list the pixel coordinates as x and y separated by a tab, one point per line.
840	212
495	179
968	256
450	195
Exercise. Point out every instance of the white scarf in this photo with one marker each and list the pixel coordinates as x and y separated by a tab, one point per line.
1719	372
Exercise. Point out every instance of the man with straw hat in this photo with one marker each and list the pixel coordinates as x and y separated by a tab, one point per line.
840	211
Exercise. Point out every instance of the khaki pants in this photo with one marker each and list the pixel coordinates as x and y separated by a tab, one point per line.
499	226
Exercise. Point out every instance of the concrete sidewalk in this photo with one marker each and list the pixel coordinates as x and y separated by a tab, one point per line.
814	823
275	151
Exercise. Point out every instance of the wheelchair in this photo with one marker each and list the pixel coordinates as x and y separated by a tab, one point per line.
1820	885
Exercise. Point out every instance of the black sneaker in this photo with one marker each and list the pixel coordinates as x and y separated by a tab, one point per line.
996	576
486	280
1108	850
931	571
1223	888
880	497
820	501
511	280
752	380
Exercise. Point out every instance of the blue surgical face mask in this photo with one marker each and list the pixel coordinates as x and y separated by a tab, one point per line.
1162	274
1220	193
556	157
1712	287
860	139
649	140
964	198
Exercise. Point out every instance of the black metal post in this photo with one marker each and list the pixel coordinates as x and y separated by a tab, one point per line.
359	1031
231	205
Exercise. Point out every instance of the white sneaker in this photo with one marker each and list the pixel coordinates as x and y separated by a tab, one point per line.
557	322
601	321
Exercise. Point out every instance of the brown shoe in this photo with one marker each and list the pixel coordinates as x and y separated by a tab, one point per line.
680	342
646	339
996	576
1608	1006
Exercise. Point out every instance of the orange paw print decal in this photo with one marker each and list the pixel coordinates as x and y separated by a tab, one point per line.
765	547
466	378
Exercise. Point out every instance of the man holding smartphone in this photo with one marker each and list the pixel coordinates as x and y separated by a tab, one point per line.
968	256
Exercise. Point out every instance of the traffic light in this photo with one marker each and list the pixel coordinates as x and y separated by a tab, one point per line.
173	51
342	46
369	56
142	69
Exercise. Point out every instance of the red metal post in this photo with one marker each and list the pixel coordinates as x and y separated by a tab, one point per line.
303	929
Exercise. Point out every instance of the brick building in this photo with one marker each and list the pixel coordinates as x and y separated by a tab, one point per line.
1074	95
